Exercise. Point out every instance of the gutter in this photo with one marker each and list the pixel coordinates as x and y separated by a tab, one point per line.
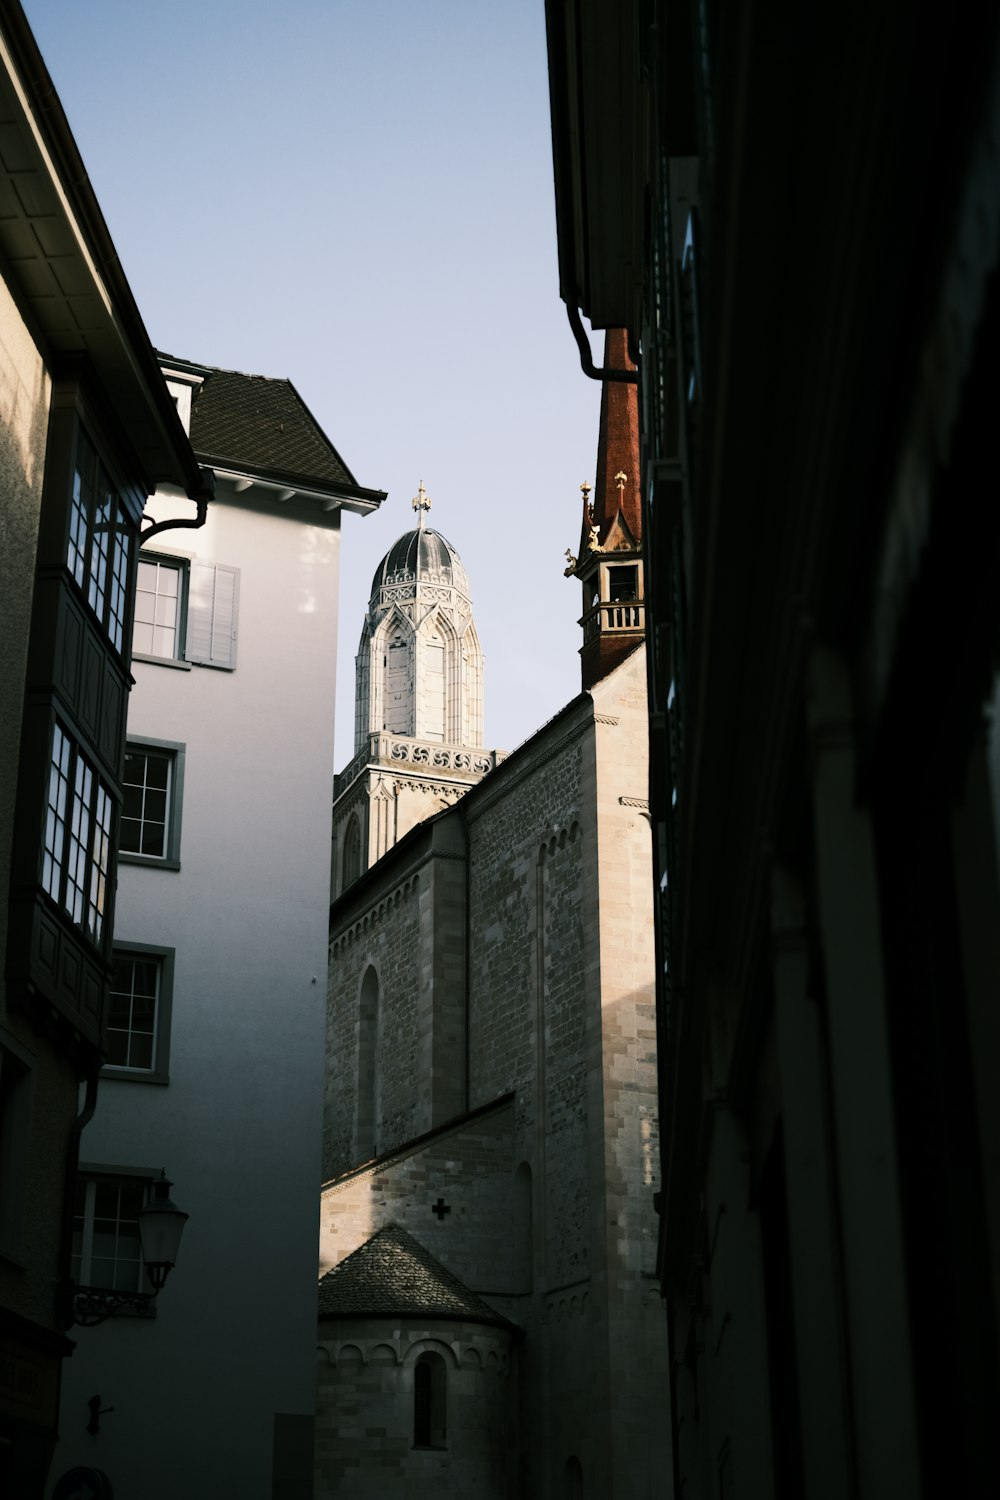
51	122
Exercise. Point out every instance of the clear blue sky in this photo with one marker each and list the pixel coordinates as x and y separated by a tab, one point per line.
357	194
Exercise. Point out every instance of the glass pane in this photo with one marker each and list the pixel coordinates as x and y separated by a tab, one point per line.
156	770
132	805
119	1011
129	838
144	982
143	1011
166	611
163	640
152	838
141	1051
155	809
145	607
117	1048
142	639
147	576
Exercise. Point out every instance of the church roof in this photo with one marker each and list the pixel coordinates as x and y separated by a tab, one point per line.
255	423
422	553
392	1275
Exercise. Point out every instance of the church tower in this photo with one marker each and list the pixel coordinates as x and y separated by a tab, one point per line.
418	725
609	564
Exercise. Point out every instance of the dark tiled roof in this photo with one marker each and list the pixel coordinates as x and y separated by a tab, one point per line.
392	1275
251	422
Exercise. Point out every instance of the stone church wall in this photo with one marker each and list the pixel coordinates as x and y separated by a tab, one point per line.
528	858
470	1168
365	1410
411	932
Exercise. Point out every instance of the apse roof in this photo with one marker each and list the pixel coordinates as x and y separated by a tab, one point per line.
392	1275
421	553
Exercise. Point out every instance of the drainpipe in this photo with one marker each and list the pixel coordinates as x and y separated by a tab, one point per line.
201	497
64	1295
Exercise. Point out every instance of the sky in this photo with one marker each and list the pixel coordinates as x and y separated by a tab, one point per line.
357	195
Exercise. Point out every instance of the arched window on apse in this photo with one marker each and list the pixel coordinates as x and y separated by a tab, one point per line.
523	1238
369	1092
430	1402
351	866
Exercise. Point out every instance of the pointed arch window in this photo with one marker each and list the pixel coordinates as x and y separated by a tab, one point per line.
369	1094
351	866
430	1402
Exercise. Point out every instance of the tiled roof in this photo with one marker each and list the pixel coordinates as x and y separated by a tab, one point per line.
392	1275
252	422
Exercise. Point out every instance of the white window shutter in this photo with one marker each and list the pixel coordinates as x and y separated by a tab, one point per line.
213	602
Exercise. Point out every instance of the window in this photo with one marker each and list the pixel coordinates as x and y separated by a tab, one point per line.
623	585
351	867
106	1251
15	1114
99	541
139	1013
160	592
186	610
153	780
429	1402
77	847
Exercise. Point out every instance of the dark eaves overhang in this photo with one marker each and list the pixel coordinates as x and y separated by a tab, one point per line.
59	256
597	106
328	492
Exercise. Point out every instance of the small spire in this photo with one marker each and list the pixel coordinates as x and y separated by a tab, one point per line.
421	503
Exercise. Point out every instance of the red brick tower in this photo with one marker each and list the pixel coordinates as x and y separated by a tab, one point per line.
609	562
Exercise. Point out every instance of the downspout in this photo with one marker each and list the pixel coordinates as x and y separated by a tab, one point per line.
64	1292
201	497
628	377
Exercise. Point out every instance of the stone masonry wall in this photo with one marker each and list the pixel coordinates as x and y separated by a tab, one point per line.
470	1168
387	938
364	1411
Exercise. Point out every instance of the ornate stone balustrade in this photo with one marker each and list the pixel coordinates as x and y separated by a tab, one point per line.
464	761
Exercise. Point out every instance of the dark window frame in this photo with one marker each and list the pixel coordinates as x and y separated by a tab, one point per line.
77	836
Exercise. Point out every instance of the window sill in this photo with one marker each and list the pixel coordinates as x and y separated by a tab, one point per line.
132	1075
162	661
126	857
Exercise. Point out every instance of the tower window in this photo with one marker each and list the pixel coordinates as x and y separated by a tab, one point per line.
623	585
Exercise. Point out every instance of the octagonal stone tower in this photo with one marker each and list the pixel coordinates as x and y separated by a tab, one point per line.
418	726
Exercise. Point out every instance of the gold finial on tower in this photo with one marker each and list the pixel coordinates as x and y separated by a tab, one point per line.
421	503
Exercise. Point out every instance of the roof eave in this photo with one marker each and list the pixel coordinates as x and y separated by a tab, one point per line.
73	283
596	105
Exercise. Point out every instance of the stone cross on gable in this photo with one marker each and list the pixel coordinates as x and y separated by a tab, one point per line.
421	502
621	480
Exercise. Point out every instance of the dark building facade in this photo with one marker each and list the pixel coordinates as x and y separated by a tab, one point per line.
794	216
87	429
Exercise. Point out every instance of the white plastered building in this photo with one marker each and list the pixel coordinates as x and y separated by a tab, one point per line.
215	1043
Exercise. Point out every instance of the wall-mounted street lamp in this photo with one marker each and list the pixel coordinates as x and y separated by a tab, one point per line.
161	1224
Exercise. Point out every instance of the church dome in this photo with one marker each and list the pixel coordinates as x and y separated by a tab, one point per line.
423	556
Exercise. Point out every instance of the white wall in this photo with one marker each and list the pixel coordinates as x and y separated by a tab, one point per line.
238	1126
